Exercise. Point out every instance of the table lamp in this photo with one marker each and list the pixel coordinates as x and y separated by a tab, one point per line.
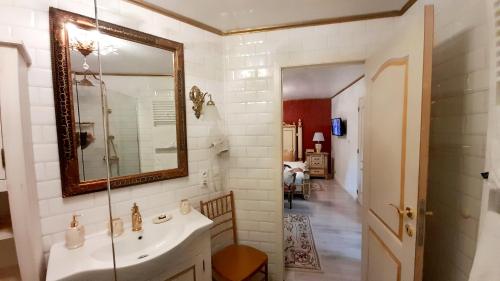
318	137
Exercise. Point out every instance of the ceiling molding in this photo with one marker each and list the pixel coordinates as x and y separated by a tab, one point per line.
371	16
407	6
176	16
348	86
206	27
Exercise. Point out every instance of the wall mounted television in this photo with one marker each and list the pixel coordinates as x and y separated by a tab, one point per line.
338	127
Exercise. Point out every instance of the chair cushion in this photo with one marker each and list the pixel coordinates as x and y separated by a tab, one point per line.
238	262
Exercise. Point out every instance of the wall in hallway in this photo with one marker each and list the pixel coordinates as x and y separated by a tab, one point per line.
345	148
315	115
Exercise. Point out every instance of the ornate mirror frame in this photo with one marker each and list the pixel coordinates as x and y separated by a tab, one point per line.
63	101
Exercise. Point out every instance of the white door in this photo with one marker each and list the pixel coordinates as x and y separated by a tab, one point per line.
3	183
361	116
396	151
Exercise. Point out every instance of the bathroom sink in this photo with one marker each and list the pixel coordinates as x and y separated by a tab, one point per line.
137	245
137	254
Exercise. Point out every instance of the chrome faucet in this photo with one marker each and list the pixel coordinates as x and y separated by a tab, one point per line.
136	218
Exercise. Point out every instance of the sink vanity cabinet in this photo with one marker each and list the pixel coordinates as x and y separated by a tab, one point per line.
196	265
178	249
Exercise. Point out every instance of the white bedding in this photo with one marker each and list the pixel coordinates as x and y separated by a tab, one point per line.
296	164
288	176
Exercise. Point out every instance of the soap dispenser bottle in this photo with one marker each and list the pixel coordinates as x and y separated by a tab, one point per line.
75	234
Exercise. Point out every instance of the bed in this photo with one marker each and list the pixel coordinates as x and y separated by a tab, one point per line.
292	160
292	141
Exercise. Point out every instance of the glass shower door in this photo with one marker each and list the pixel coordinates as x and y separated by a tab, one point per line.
140	132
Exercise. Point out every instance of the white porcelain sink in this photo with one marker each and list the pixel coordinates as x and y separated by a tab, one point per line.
139	255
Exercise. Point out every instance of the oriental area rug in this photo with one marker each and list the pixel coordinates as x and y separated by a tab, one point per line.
300	250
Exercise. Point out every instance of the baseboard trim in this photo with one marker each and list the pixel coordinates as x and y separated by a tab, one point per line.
354	196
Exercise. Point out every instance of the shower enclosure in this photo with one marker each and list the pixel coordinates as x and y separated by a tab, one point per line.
125	111
122	137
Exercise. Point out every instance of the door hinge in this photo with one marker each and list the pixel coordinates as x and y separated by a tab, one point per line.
357	151
3	158
203	265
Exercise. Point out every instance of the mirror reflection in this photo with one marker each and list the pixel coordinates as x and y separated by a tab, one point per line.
137	105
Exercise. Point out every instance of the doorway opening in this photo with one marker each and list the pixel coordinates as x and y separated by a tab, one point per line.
322	171
395	146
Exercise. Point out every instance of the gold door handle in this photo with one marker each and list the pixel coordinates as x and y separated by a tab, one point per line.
429	213
407	211
409	230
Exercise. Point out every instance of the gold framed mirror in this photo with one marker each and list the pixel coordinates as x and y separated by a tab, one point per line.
128	100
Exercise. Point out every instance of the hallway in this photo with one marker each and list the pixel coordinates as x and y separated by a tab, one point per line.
336	224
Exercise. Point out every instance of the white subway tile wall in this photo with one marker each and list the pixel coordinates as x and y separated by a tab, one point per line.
239	71
460	90
28	21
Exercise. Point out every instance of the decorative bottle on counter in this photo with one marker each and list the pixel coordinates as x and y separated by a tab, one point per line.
185	207
75	234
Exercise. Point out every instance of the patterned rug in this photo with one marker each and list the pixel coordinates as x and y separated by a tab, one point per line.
300	251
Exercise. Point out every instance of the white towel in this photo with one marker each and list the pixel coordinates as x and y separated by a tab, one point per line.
486	266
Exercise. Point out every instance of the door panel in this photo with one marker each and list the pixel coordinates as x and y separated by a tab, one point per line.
395	150
389	87
385	265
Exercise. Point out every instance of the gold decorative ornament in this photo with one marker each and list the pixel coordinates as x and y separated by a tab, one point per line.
85	48
136	218
210	101
198	98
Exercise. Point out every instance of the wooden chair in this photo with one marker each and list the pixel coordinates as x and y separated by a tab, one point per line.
289	190
234	262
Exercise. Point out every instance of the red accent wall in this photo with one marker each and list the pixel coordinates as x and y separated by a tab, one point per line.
316	116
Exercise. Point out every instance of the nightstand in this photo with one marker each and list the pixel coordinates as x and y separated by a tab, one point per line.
318	164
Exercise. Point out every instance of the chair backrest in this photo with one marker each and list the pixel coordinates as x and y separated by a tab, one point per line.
221	211
293	176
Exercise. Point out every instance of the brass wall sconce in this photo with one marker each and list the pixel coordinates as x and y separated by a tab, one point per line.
198	99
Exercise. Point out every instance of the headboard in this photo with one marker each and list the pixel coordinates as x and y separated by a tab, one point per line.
292	141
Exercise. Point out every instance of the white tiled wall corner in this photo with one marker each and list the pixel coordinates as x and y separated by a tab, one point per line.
27	20
458	137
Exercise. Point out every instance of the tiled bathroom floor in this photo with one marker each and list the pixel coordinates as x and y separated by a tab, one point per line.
336	225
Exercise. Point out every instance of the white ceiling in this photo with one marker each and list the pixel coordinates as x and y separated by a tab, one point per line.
229	15
319	81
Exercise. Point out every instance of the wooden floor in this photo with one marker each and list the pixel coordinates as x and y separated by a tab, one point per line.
336	225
